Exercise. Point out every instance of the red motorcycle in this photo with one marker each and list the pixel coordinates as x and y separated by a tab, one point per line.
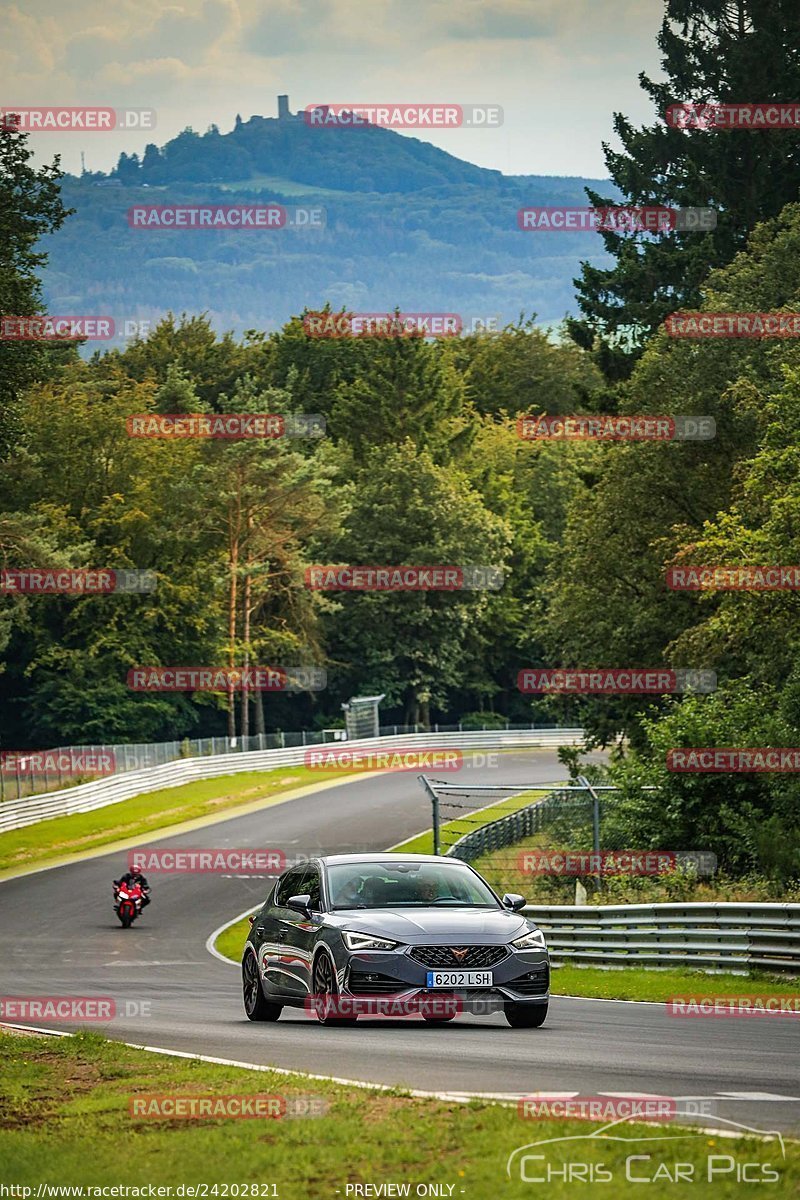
127	902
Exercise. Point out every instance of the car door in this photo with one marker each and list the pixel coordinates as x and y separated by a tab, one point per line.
277	960
301	931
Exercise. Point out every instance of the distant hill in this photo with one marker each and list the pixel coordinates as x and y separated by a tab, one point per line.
406	224
366	159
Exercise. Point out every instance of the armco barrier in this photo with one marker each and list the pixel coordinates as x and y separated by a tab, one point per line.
26	778
731	937
15	814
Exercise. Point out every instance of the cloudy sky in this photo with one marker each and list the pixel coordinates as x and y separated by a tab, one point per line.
558	68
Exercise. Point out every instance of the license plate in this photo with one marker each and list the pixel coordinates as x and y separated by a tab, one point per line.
457	979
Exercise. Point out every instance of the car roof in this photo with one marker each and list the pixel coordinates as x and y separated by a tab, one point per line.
339	859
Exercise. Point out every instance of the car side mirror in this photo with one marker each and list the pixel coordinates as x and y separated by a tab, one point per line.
513	901
300	904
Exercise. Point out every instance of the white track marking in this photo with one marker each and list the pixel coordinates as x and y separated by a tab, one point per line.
212	937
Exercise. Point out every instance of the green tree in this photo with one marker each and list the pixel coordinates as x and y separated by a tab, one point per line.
408	389
412	646
609	603
728	813
30	207
521	369
712	50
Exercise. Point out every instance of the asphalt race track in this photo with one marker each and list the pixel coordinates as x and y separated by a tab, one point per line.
59	936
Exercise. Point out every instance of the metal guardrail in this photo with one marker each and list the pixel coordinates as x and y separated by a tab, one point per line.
15	814
28	777
730	937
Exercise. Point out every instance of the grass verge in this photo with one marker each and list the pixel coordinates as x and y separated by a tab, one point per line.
230	942
61	836
637	983
65	1120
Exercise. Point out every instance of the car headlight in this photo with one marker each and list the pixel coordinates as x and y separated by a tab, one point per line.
366	941
533	940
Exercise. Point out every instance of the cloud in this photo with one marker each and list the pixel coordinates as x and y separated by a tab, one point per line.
505	19
176	33
287	27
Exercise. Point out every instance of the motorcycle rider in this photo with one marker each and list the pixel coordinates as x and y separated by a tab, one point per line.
133	878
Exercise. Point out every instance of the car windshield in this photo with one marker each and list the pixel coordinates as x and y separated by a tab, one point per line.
407	885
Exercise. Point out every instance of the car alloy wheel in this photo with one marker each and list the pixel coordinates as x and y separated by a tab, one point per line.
325	993
256	1005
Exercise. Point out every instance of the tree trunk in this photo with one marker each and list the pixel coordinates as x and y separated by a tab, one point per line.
258	703
233	595
248	592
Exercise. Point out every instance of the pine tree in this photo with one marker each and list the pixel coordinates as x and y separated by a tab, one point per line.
712	50
30	207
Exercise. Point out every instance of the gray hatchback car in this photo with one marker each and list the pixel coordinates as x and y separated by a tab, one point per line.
351	935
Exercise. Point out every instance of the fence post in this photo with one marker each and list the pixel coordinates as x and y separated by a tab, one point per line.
584	782
435	813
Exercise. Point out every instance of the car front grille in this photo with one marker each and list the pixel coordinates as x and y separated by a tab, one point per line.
458	956
533	983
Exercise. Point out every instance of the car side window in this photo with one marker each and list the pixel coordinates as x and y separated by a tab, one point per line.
288	886
311	885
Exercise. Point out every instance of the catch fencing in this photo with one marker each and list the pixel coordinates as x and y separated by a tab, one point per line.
15	814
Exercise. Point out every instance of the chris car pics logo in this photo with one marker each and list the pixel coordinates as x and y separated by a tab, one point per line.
616	1153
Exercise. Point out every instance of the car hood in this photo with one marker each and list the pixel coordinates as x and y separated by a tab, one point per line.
434	925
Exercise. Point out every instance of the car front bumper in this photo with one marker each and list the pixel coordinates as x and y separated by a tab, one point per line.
520	977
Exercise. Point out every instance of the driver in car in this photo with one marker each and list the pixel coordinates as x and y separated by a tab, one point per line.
349	895
428	889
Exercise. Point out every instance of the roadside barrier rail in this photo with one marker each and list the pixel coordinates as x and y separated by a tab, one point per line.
86	797
725	937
